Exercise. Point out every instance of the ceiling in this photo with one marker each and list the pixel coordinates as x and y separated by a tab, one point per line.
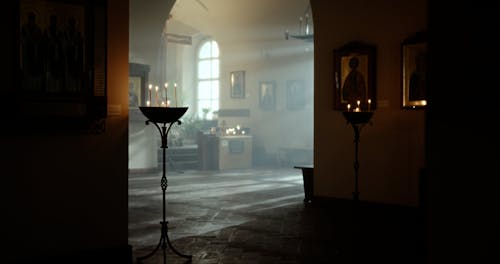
244	28
237	20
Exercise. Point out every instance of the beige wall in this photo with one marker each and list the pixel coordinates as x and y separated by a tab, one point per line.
391	151
262	59
281	127
68	193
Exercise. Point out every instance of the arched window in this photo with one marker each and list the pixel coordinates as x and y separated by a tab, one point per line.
208	79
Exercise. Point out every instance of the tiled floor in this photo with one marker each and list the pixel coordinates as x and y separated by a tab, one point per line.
258	216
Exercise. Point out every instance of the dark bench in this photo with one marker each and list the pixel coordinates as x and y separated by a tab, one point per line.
307	177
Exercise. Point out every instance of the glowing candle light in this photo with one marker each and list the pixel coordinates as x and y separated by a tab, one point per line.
300	25
150	87
166	91
307	24
156	95
369	104
148	103
348	107
175	94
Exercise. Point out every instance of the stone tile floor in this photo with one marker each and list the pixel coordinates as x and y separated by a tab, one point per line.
258	216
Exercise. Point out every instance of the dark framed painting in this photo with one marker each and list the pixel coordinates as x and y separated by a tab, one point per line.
267	95
237	84
61	63
414	72
295	94
354	76
137	90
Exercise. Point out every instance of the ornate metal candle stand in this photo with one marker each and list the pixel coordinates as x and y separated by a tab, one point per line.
163	118
357	121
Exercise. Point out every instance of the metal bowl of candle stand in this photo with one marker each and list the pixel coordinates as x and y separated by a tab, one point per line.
358	117
158	114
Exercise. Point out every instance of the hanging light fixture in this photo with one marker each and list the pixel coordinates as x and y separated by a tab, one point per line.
305	31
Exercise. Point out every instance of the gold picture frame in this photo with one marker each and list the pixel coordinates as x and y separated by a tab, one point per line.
295	95
354	76
237	84
267	95
414	72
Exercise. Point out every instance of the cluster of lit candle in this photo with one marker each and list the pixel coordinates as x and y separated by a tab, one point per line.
235	131
158	100
358	106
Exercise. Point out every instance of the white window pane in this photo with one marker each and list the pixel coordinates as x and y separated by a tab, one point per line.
205	104
215	89
215	50
215	105
204	91
215	69
208	79
204	69
205	51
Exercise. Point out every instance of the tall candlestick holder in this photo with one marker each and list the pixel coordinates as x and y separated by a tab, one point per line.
163	118
357	120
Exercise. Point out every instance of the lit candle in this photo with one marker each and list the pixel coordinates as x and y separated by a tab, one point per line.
163	104
168	103
358	102
156	95
356	110
300	25
166	91
307	24
150	87
369	104
348	107
148	103
175	94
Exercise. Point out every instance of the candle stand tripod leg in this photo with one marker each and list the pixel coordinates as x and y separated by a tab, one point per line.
164	239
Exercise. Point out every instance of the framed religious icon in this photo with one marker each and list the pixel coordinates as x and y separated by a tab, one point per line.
354	76
61	61
295	95
414	72
267	95
237	84
137	90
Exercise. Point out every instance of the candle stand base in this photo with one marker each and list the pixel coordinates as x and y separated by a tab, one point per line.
163	118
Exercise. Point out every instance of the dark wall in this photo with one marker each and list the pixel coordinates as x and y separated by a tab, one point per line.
461	133
65	194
